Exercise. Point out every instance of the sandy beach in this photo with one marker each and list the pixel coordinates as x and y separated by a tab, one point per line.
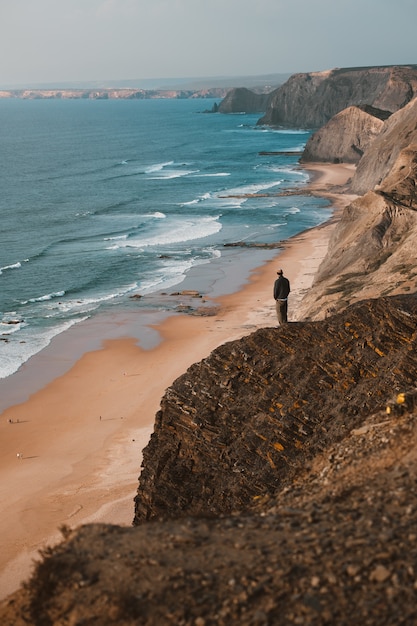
71	453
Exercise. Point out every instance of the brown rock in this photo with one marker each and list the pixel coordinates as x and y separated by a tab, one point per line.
344	138
310	100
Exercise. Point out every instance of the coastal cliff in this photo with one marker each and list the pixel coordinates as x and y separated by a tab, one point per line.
276	487
237	426
241	100
310	100
345	137
303	506
373	249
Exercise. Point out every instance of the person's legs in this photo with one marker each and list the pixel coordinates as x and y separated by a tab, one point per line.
282	311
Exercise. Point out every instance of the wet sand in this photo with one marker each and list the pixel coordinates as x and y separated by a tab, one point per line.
80	436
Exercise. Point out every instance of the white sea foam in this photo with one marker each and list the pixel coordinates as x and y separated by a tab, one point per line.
276	225
254	188
158	215
215	175
47	296
115	238
285	131
10	326
170	174
204	196
174	273
13	266
87	304
191	202
177	231
215	253
157	167
31	341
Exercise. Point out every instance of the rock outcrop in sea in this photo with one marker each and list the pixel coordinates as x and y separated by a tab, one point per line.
243	100
277	488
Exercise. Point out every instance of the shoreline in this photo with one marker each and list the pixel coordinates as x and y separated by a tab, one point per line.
82	433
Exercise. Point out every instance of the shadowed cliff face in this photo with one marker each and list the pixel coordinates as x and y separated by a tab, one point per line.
344	138
398	132
240	100
238	425
372	250
310	100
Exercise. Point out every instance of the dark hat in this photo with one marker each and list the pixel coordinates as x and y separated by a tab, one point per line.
280	272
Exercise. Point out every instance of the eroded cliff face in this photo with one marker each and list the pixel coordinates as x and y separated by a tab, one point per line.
398	132
238	425
243	100
335	547
344	138
373	250
310	100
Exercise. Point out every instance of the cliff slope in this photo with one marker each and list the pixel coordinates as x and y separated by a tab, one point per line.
237	425
312	99
242	100
322	486
372	250
345	137
398	132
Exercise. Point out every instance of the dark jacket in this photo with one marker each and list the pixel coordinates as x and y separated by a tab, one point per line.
281	288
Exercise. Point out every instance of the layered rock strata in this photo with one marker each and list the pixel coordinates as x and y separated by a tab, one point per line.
333	545
239	424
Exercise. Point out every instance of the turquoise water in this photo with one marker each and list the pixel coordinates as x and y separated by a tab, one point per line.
104	199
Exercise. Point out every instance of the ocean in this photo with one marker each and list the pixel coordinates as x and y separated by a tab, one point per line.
102	200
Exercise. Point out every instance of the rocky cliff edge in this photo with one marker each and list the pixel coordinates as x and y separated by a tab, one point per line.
287	494
310	100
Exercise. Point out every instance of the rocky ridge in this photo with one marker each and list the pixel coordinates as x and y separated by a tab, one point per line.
322	529
310	100
236	427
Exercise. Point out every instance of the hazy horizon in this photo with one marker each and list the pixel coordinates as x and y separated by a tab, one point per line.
101	41
184	82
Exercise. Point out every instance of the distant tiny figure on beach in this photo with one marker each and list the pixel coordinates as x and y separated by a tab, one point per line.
281	292
19	455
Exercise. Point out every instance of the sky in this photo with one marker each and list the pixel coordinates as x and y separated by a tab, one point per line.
51	41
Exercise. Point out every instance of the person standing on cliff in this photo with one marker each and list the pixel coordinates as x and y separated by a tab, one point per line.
281	292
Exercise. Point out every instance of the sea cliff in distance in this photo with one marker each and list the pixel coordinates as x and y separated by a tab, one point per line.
111	94
141	89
